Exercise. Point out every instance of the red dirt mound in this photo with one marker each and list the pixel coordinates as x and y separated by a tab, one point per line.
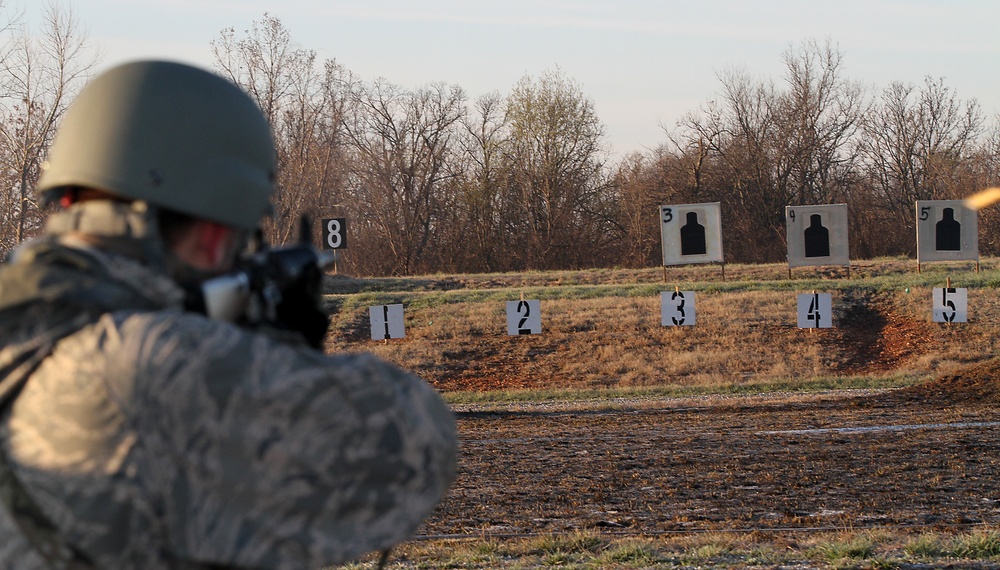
977	383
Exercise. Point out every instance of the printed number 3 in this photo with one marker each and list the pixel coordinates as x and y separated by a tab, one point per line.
680	308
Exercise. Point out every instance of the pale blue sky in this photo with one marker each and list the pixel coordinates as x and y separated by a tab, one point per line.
644	63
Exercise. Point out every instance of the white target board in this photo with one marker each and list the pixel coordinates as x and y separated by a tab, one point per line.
946	231
677	308
387	322
817	235
815	310
524	317
691	233
951	305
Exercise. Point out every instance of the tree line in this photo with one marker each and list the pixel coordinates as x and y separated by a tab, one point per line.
433	182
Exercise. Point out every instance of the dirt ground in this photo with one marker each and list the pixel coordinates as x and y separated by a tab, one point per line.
925	455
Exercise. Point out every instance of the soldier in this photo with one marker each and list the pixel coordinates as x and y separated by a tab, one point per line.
136	432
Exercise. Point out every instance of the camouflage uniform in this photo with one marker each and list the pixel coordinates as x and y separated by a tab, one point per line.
156	438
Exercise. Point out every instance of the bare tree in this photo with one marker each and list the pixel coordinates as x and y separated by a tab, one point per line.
556	161
305	106
914	144
403	143
481	196
38	77
765	147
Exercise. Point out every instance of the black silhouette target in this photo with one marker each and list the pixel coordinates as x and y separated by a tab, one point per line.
817	235
691	233
817	238
693	236
948	232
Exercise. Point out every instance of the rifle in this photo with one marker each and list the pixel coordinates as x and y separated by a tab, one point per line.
275	287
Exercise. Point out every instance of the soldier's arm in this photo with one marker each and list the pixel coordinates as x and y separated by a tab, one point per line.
265	454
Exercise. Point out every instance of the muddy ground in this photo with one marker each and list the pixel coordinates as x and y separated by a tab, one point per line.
925	455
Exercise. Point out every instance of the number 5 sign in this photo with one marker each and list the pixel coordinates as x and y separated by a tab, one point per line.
335	233
524	317
951	305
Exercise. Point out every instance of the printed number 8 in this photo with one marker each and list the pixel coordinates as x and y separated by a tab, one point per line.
333	237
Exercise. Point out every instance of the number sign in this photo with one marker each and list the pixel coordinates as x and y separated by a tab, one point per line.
387	322
335	233
951	305
815	310
817	235
677	308
524	317
691	233
946	231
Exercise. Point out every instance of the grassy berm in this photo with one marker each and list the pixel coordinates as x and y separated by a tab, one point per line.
611	441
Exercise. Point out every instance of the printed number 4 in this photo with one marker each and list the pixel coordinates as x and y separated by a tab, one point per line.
814	314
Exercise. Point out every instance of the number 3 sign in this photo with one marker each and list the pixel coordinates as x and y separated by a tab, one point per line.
524	317
677	308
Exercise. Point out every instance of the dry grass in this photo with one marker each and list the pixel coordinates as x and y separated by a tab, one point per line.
601	328
977	548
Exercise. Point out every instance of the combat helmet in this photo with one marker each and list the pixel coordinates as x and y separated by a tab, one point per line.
174	136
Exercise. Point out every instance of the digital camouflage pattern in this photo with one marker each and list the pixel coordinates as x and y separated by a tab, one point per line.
155	438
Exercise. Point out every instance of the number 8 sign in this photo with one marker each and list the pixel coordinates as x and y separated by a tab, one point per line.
335	233
524	317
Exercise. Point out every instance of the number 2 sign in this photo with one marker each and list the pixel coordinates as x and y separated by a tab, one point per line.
524	317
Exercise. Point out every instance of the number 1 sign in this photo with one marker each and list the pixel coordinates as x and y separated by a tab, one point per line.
524	317
387	322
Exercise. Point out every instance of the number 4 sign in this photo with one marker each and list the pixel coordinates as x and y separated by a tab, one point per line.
815	310
951	305
524	317
677	308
